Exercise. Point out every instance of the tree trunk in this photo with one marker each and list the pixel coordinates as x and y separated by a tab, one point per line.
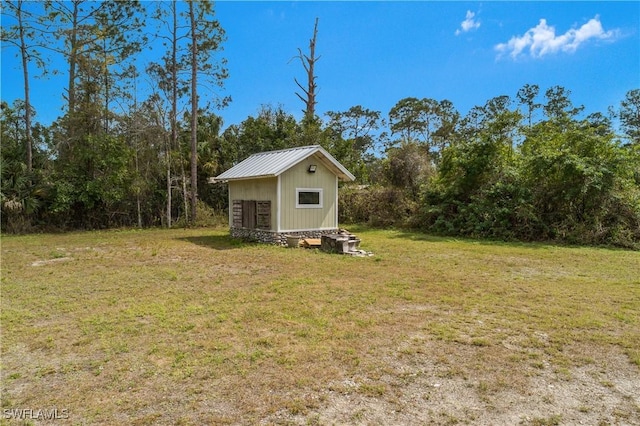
168	160
139	210
138	201
27	102
174	105
194	113
73	41
185	194
106	87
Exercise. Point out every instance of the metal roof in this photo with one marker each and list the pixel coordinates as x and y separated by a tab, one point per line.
274	163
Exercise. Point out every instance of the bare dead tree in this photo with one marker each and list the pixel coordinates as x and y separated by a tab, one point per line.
308	63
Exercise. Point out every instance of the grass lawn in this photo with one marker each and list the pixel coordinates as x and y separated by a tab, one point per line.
187	326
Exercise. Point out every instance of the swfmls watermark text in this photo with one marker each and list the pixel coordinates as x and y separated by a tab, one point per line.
35	414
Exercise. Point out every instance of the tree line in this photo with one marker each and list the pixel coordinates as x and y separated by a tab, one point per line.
528	167
81	171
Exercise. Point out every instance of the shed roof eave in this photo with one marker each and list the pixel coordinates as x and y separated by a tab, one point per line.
233	179
334	165
274	163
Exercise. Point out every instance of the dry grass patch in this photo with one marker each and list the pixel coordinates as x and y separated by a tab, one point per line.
191	327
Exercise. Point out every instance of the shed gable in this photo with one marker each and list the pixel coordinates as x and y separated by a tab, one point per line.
297	180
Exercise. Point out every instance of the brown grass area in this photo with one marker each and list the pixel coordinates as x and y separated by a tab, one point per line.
191	327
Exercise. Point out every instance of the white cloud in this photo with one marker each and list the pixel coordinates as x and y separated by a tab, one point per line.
542	39
468	24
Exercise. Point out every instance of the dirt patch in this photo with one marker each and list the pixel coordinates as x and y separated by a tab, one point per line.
52	261
420	389
604	392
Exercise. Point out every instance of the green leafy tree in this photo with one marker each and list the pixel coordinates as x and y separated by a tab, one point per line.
96	36
353	138
527	97
312	132
144	130
205	38
630	115
165	75
91	191
600	123
501	123
448	122
211	160
581	181
192	44
476	191
559	107
426	121
471	124
23	192
408	167
411	119
92	176
271	129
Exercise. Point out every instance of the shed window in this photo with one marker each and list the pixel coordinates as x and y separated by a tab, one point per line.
309	198
252	214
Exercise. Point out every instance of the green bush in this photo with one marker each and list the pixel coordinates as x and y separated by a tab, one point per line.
375	206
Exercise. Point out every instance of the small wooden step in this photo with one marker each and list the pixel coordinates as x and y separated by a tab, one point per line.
311	242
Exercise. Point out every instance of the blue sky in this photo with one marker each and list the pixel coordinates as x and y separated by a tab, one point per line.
375	53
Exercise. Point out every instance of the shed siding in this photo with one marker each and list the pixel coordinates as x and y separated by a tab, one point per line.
255	189
292	218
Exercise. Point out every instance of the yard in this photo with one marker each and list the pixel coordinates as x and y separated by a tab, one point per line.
192	327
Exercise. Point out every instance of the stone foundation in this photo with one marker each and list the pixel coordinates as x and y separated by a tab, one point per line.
273	237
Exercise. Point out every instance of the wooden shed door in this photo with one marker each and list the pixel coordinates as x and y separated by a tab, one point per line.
251	214
263	214
237	214
248	214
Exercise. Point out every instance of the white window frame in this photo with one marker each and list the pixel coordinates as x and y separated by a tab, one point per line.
320	191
